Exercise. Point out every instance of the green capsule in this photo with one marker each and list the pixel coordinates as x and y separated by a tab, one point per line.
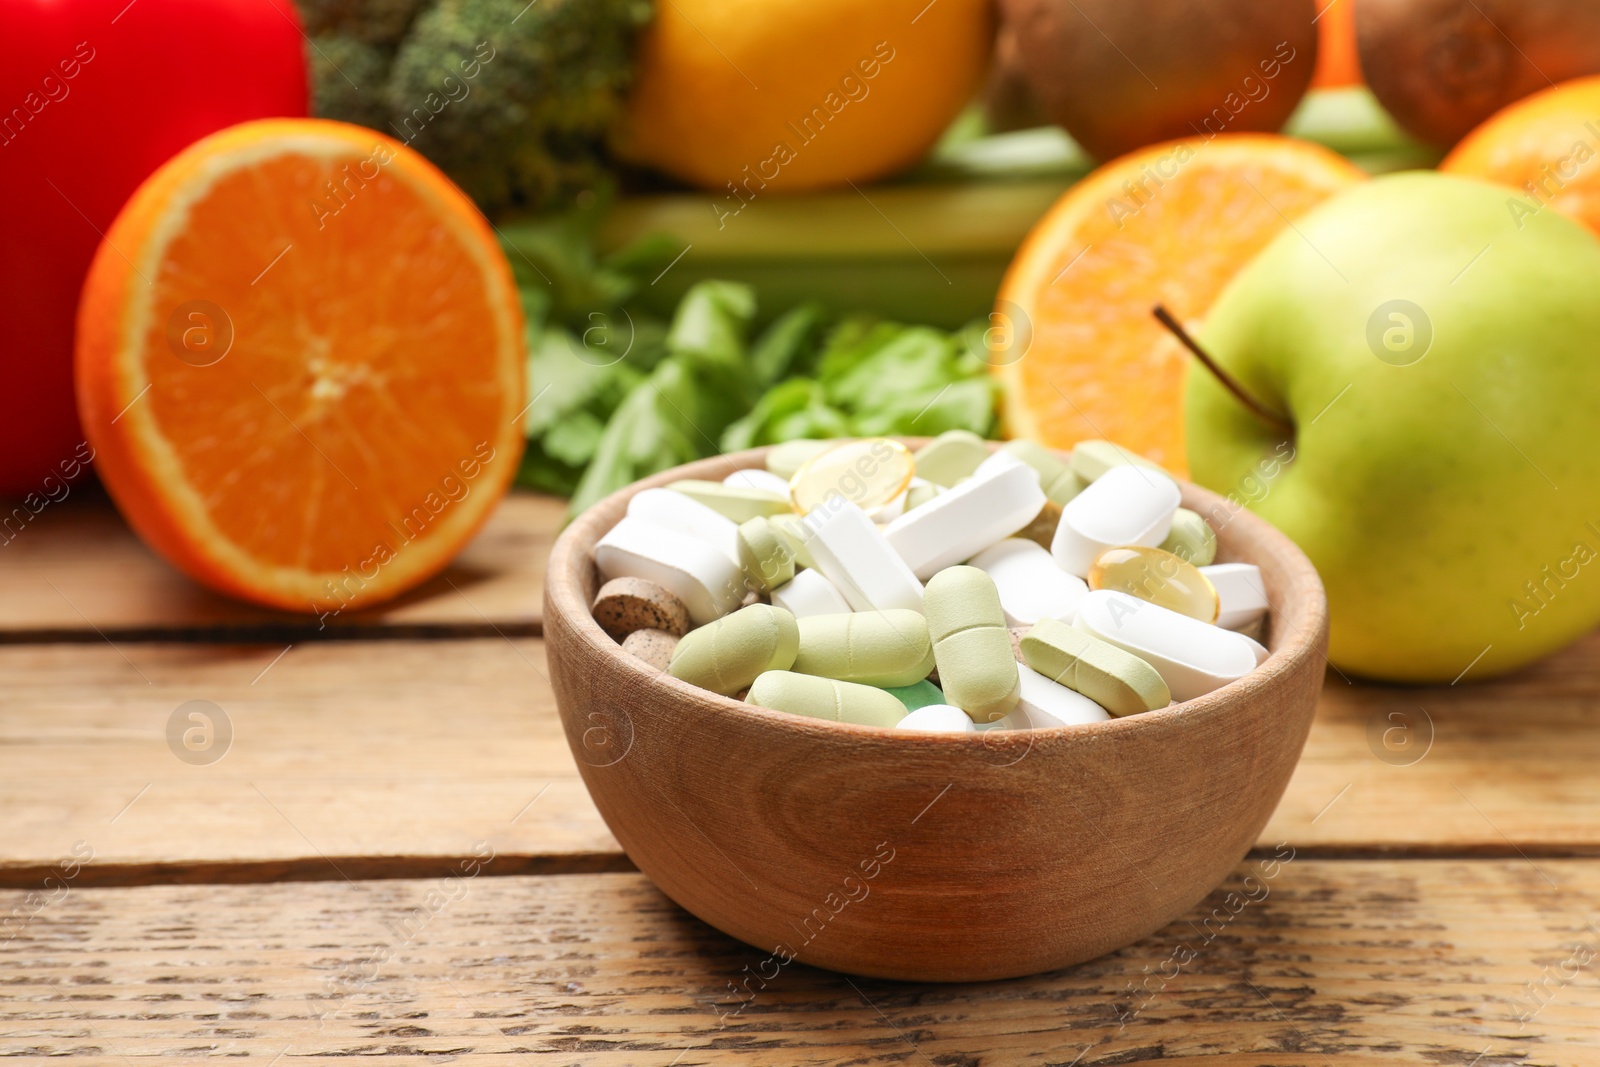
1191	539
1091	459
1056	477
970	643
727	655
825	698
764	555
950	457
1117	680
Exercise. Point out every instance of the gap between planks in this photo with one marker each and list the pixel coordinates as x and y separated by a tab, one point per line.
365	868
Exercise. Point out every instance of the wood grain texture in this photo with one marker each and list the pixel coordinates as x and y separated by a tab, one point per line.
1489	768
82	733
347	759
1418	962
1074	841
393	756
75	571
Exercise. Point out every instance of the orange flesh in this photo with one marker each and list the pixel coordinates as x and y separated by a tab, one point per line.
1125	239
310	432
363	419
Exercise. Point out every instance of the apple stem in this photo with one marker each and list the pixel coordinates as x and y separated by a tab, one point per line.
1258	409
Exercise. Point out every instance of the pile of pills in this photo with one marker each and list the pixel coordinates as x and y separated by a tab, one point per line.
951	589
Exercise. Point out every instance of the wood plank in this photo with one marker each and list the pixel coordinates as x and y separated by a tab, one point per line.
347	759
1491	767
389	759
1332	962
75	571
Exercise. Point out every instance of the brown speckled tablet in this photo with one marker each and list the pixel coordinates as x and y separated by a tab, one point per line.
653	646
624	605
1042	530
1017	634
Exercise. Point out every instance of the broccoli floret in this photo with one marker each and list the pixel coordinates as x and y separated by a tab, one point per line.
348	78
381	22
511	99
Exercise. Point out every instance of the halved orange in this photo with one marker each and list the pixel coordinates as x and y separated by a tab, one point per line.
300	365
1546	146
1080	355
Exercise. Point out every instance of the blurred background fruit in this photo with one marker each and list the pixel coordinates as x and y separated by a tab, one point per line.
1118	75
1072	337
1547	147
752	97
1337	64
1008	99
309	394
1437	359
512	100
96	95
1440	67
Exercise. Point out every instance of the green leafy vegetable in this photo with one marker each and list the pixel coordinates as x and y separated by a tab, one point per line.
617	395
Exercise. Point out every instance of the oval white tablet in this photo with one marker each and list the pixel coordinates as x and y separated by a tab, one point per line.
938	718
1031	585
1241	594
1258	648
1048	703
1192	657
892	510
1044	704
999	461
1125	506
708	583
675	511
855	556
965	520
756	478
809	593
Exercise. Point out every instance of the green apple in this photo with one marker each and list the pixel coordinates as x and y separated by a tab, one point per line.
1437	350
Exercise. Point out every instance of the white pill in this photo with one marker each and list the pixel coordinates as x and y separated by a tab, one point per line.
1044	704
1031	585
999	461
855	556
709	583
1192	657
809	593
959	523
664	507
938	718
1258	648
1127	505
756	478
1240	593
892	510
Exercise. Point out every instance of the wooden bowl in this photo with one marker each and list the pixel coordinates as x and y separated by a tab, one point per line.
931	857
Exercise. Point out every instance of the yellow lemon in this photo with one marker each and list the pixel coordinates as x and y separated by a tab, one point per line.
756	96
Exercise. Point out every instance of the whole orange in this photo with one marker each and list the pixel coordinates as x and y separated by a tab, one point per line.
753	96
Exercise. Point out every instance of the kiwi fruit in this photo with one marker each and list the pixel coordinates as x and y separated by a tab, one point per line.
1118	75
1007	98
1441	67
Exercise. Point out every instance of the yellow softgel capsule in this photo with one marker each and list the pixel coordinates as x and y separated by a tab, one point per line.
1157	576
868	473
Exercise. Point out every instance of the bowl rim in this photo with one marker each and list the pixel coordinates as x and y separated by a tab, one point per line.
1306	623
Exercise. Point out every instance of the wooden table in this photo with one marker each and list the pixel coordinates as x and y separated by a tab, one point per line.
394	856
